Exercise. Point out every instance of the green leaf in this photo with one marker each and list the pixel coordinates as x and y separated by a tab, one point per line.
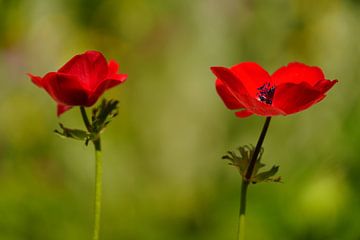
242	159
103	114
267	176
76	134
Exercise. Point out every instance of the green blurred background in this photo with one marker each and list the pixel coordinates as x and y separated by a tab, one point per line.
163	173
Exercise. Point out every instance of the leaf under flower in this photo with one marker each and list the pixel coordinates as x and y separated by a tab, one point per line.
242	159
76	134
101	117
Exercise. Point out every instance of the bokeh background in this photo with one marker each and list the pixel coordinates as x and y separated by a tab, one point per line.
163	173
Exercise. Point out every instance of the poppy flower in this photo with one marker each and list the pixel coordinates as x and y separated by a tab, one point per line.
249	89
81	81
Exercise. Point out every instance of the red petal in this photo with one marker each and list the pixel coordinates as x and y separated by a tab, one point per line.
325	85
113	67
292	98
62	108
36	80
230	101
90	67
263	109
234	86
108	83
239	92
48	78
117	78
112	80
243	114
252	76
67	89
297	73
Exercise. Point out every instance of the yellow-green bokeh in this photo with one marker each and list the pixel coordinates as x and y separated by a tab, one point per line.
163	173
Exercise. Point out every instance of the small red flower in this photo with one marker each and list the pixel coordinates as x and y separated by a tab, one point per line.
249	88
81	81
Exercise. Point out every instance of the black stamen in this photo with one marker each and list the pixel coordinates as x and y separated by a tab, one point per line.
266	93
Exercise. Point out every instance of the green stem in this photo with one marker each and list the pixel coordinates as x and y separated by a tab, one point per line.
246	181
98	175
250	169
85	118
98	187
241	228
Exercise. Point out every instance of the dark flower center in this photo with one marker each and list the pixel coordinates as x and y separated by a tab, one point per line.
266	93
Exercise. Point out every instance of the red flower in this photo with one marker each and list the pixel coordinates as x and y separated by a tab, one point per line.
81	81
249	88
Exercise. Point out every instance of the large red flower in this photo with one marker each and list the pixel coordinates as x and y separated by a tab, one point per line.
81	81
249	89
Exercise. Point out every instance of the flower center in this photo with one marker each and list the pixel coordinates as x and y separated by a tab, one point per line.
266	93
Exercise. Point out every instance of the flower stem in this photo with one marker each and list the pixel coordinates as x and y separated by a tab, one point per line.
98	175
98	187
241	228
250	169
85	118
246	180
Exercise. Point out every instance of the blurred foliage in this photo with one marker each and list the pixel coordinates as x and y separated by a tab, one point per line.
164	177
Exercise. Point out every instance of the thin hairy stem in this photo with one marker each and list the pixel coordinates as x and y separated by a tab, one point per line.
246	181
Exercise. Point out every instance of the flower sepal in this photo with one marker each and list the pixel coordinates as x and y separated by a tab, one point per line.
103	114
76	134
100	118
242	161
267	176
